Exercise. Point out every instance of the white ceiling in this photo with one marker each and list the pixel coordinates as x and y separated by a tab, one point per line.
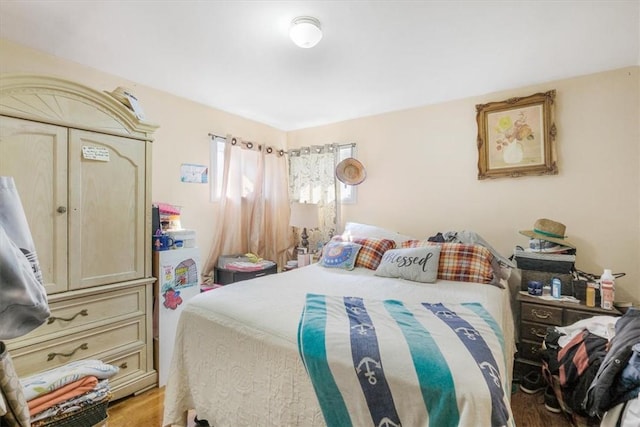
375	56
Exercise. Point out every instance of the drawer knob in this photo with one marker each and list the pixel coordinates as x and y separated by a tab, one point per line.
52	356
543	314
61	209
123	365
52	319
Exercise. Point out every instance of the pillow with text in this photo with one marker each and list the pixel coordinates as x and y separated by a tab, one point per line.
415	264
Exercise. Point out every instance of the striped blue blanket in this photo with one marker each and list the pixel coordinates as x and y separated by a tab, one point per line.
389	363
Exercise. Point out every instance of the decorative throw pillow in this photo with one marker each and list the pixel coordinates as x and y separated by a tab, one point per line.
371	252
340	255
461	262
416	264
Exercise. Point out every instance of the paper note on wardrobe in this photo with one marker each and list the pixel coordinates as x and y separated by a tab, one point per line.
95	153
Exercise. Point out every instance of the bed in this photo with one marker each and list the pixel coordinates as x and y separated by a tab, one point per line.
252	353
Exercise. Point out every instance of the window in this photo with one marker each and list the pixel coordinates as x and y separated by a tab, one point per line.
216	151
347	193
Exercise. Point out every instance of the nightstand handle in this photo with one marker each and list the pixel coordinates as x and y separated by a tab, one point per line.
537	334
544	315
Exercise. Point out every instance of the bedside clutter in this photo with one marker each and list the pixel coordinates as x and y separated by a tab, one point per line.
592	367
235	268
549	255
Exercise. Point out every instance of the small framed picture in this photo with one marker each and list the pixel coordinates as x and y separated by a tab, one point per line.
517	137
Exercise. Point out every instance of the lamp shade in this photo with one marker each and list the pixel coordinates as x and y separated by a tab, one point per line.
305	31
304	215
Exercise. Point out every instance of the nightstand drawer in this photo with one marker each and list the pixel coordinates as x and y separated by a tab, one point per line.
572	316
542	313
533	331
530	350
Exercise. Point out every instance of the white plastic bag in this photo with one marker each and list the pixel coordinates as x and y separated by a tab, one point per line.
23	298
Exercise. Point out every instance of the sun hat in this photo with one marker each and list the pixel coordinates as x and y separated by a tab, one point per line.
549	230
350	171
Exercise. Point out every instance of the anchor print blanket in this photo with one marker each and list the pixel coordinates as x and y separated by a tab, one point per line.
392	363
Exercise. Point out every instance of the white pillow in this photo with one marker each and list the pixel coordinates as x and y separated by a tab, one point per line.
364	230
416	264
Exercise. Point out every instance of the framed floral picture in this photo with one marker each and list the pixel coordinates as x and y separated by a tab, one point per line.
517	137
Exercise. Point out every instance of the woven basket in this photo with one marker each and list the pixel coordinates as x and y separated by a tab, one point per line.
88	416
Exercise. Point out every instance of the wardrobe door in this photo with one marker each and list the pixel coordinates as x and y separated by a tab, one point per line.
35	155
107	215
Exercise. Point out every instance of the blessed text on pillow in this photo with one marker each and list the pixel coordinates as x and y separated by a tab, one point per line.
415	264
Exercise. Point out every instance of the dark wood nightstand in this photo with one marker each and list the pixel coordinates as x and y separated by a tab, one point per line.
536	315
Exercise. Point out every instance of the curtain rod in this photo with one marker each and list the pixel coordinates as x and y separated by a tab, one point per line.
250	145
291	151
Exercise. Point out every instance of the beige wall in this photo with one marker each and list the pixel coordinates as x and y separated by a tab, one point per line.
422	164
422	173
181	138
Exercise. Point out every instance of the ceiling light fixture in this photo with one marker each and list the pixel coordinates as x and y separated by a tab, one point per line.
305	31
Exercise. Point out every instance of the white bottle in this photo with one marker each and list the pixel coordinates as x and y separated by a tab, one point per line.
607	285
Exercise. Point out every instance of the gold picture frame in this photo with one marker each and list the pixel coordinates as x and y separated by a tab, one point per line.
517	137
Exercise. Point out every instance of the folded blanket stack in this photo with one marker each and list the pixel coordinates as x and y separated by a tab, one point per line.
76	394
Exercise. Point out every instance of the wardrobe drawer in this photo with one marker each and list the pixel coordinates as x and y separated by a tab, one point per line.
71	315
541	313
90	344
533	331
130	365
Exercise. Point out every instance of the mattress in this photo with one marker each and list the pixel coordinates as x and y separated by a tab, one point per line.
236	358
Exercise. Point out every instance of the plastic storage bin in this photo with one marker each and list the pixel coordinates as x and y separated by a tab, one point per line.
188	237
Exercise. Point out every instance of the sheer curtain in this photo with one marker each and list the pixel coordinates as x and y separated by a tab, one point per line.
312	180
253	211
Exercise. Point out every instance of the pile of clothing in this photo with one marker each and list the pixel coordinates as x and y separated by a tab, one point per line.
74	394
594	367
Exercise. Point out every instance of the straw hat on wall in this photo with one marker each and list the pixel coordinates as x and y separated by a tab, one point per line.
350	171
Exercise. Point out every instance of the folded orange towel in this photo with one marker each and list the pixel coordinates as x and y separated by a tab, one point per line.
61	394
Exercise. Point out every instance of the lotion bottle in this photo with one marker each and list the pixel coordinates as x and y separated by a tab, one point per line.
607	285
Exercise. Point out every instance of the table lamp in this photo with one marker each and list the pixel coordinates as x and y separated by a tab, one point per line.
304	215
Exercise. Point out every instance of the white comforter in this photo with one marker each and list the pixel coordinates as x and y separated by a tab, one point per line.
236	358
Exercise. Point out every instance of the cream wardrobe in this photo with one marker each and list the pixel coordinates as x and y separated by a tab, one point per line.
81	161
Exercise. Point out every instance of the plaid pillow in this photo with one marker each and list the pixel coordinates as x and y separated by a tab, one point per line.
461	262
372	250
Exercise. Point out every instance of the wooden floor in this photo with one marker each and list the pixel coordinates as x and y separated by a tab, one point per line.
146	410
